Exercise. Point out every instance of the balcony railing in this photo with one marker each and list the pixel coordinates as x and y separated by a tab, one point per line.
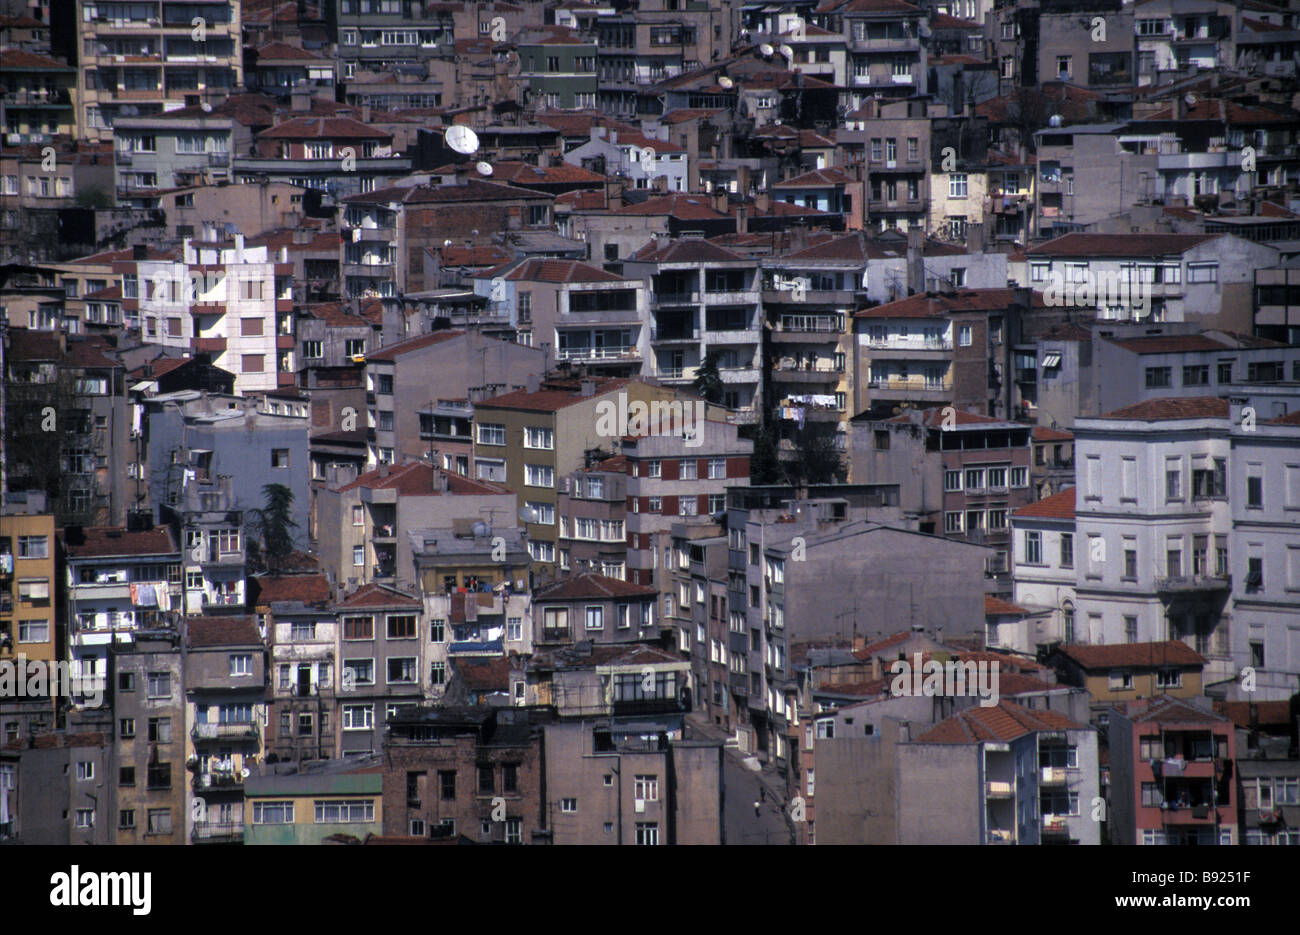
239	730
676	298
1189	583
216	832
674	334
1055	824
219	779
820	324
997	790
596	353
1053	775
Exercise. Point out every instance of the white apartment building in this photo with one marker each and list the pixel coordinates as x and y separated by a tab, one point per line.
1187	526
1046	557
227	300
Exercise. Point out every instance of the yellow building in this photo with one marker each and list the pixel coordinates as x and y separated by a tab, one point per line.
39	95
26	578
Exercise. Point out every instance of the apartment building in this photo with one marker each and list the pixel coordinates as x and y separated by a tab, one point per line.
226	713
1043	575
385	228
35	191
197	439
671	792
712	637
470	773
39	97
1123	672
147	723
1201	278
118	581
526	439
886	56
592	508
138	58
558	68
302	697
224	299
414	385
705	299
175	149
1173	501
28	621
339	156
470	628
632	683
54	789
590	607
943	349
381	663
574	312
1171	774
338	801
1173	42
973	471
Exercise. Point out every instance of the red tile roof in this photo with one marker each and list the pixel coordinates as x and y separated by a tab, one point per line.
328	128
1246	714
1057	506
414	344
486	676
1132	655
686	251
1003	722
1119	245
307	589
96	541
22	60
1044	434
221	631
1164	344
415	479
377	595
591	586
996	606
470	190
283	52
937	305
683	207
936	416
1172	407
818	178
874	649
557	271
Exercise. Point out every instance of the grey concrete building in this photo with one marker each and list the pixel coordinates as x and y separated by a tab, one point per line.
60	790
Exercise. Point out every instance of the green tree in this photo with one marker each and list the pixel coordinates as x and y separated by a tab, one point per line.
707	381
275	524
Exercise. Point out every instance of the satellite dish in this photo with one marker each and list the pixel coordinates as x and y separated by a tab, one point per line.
527	514
766	50
1190	98
484	168
245	772
787	52
480	529
447	242
725	82
461	138
1055	120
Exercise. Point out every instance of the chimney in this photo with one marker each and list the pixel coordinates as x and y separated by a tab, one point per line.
763	202
588	388
720	200
613	194
140	251
742	181
798	238
365	114
875	668
915	266
383	468
742	219
532	383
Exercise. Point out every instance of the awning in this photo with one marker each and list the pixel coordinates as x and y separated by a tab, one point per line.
1051	360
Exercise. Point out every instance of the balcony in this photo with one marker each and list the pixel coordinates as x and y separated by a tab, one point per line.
662	299
886	44
123	157
238	730
640	706
739	684
1191	584
217	832
1001	836
37	98
220	160
1055	825
668	335
907	389
598	353
806	376
1052	776
994	789
935	349
820	329
744	297
219	779
738	374
556	636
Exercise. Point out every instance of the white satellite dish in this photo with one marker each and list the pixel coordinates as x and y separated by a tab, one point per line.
462	139
1056	121
480	529
725	82
484	168
528	515
766	49
1190	99
787	52
447	242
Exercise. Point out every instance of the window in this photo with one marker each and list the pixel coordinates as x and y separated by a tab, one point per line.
160	730
33	547
1130	563
447	784
126	728
1033	548
272	813
1130	629
1255	492
490	434
279	457
344	812
160	685
1020	477
509	777
358	628
486	780
953	521
1158	377
537	437
1120	680
964	335
33	631
957	185
401	670
358	717
568	806
358	672
159	776
85	770
646	788
952	481
438	673
1067	550
85	818
654	469
539	475
402	627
